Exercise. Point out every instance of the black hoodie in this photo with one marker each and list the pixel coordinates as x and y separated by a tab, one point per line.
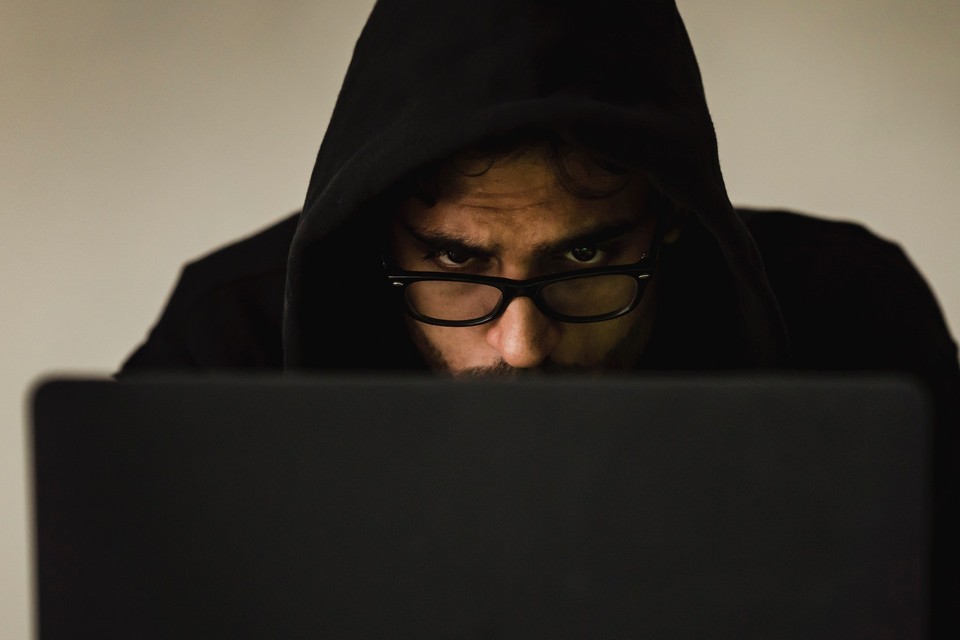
739	289
427	78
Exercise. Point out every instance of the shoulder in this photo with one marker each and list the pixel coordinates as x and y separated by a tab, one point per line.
826	255
263	253
226	309
850	298
793	233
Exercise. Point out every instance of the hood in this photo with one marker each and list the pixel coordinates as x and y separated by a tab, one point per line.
428	77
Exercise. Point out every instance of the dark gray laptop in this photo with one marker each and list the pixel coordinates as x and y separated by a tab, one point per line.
387	506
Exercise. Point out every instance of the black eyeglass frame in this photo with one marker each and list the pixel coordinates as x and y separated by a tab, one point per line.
531	288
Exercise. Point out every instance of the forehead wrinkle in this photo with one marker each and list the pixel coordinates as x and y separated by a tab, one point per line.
504	195
495	224
497	207
450	235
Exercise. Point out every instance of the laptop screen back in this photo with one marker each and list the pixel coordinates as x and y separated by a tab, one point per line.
407	506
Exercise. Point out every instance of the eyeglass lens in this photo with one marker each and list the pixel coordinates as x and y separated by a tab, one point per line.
578	297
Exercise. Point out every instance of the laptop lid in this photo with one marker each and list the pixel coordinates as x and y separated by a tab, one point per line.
425	507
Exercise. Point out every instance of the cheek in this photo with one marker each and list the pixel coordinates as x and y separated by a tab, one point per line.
592	341
448	348
614	342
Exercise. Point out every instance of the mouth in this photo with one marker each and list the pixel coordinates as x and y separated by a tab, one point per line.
503	370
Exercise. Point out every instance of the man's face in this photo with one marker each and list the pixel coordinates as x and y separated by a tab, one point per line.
517	221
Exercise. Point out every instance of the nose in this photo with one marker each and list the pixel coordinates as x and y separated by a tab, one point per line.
522	335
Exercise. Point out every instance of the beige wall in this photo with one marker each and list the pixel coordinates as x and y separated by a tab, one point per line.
134	135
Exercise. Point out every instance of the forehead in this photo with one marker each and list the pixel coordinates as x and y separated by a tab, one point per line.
527	195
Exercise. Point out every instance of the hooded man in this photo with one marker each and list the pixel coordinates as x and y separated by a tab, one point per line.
511	142
534	185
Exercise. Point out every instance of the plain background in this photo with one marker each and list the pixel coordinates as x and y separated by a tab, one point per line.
135	135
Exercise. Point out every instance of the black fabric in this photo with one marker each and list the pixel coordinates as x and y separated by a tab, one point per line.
851	301
749	289
622	75
226	309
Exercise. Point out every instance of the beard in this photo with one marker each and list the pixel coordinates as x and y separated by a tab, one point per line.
435	361
502	369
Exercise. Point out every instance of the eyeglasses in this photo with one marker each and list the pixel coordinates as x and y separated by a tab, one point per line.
586	295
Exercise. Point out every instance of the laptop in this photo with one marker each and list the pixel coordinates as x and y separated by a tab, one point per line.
408	506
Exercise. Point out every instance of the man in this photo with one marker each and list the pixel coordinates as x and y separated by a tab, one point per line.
500	109
515	186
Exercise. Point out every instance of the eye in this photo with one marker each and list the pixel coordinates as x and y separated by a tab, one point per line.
452	258
585	255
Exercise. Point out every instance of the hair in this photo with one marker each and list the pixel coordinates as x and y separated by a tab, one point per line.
577	159
580	169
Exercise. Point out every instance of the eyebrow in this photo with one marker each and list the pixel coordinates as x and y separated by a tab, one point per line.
598	235
447	242
439	240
